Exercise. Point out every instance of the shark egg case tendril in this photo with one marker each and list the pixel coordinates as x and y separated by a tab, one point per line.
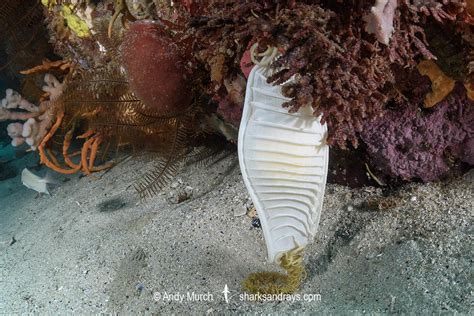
154	67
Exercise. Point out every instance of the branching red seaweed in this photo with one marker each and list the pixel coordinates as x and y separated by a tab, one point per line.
343	72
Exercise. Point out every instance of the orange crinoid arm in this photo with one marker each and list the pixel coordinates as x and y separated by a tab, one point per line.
92	142
43	155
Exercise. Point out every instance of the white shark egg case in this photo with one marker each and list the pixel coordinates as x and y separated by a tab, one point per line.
284	162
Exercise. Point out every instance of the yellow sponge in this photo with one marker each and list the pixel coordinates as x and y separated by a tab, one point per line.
75	23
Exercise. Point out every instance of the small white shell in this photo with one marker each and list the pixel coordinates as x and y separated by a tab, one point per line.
34	182
284	161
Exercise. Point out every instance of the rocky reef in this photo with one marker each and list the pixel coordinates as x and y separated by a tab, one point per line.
392	79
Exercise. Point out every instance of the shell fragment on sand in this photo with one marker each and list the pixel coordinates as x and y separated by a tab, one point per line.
34	182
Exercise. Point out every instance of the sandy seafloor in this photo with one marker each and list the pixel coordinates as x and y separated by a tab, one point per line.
93	246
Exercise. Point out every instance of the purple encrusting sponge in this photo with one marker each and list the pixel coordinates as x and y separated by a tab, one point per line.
411	143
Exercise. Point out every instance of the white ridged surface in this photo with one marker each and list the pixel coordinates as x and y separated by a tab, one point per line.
284	160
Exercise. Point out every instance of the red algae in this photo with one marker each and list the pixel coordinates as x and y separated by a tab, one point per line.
155	68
